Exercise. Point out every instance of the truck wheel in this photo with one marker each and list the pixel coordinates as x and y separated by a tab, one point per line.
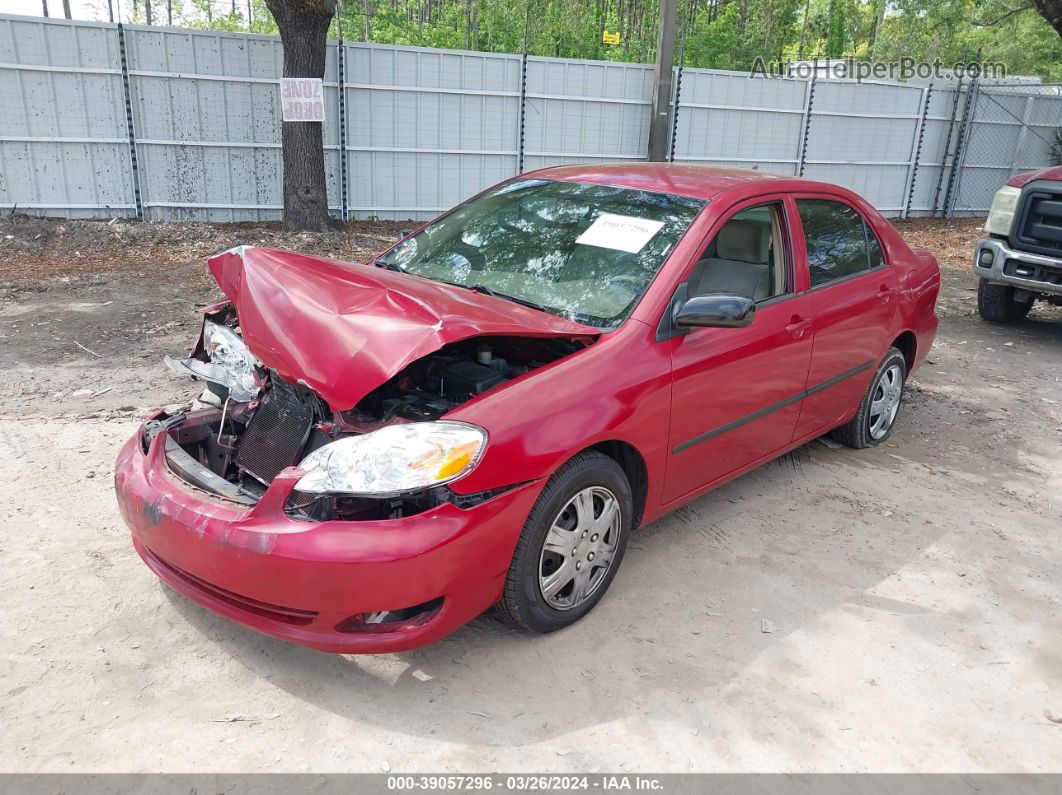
996	304
571	545
879	407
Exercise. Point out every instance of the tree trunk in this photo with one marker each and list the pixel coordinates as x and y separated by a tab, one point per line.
66	9
804	30
44	6
879	20
147	10
1051	10
303	28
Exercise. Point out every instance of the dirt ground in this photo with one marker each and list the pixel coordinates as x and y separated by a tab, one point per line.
892	609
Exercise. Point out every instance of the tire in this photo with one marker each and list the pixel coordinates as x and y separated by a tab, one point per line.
864	429
588	479
996	304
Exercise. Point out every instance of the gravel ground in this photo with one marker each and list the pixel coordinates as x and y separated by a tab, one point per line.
892	609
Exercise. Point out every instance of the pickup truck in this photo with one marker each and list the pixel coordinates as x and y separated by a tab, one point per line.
1021	259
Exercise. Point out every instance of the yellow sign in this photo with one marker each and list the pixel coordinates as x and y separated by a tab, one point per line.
610	38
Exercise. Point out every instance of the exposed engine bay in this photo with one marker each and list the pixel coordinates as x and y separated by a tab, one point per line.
249	424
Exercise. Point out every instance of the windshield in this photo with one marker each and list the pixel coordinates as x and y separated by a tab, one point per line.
585	252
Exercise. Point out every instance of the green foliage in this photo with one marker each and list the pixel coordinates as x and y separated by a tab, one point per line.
835	30
719	34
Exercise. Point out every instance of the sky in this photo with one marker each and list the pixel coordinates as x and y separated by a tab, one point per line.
79	9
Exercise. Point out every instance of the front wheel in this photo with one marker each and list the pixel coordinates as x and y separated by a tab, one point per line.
996	304
879	407
571	545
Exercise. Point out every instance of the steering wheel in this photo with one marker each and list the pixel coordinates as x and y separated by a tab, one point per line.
633	283
476	259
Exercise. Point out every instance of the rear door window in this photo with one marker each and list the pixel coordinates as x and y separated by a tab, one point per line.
837	240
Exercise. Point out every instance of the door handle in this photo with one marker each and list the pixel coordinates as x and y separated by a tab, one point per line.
797	326
884	294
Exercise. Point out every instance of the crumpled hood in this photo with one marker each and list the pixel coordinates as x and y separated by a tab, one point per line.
343	328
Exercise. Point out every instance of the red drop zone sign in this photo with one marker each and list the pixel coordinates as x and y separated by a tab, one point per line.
302	99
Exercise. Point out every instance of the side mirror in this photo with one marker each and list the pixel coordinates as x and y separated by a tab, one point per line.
724	311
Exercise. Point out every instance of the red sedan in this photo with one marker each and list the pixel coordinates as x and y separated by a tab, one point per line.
483	414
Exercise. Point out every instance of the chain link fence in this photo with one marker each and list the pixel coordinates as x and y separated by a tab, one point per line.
1010	128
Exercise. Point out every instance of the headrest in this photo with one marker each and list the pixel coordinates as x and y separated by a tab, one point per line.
745	241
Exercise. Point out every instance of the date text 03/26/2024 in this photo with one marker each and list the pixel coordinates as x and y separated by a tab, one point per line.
526	782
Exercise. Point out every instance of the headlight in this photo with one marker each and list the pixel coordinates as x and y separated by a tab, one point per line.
394	460
227	350
1001	214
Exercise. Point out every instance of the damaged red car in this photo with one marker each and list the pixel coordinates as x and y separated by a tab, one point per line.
484	413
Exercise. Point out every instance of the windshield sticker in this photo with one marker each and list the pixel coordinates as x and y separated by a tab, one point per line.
620	232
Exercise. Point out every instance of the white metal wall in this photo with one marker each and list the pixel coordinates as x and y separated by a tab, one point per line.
864	136
943	107
207	118
427	128
728	119
585	112
64	145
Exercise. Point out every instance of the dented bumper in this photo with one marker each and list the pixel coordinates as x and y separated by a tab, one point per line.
307	582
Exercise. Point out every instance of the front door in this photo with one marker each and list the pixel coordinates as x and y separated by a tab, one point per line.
737	392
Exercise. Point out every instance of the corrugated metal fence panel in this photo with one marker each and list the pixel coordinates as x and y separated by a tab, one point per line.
63	137
427	128
585	112
206	109
938	120
862	136
728	119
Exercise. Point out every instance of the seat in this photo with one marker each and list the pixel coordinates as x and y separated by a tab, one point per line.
741	265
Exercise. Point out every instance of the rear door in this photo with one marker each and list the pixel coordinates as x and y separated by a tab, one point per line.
736	392
853	298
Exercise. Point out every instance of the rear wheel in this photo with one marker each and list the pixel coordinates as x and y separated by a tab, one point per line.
996	304
880	406
571	545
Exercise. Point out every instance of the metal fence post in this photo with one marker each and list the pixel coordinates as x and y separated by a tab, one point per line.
927	94
955	178
674	115
522	114
341	68
138	201
947	146
805	129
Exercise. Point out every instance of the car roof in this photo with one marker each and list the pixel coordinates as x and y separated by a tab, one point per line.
699	182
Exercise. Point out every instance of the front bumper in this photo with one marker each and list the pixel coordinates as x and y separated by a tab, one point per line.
1033	272
300	580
